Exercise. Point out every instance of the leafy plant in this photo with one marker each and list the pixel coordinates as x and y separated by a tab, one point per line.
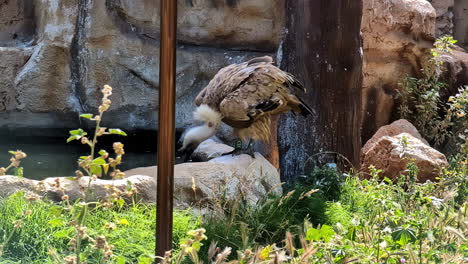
15	161
420	102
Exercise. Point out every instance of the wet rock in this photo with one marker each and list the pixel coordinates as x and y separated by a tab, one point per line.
398	35
392	154
227	177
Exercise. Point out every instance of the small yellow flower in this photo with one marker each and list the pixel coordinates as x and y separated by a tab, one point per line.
124	222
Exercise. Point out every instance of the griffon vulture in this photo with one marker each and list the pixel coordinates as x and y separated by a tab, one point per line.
243	96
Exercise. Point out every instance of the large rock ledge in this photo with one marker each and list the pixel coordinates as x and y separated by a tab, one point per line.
195	184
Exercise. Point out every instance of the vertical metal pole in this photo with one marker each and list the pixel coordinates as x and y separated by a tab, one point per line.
166	141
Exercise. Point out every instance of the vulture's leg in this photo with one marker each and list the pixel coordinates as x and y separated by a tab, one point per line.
239	149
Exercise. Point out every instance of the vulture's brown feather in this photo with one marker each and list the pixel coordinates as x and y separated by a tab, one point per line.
249	93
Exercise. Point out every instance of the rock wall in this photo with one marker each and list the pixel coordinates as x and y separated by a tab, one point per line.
444	13
55	55
397	35
461	22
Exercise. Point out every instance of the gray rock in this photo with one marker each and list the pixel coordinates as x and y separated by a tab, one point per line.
56	71
207	183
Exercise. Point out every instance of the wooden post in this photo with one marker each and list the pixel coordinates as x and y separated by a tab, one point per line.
323	49
166	140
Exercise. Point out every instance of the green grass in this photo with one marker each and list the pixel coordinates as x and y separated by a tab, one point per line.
47	228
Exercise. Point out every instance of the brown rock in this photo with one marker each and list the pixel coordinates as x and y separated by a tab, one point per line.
392	156
398	35
394	129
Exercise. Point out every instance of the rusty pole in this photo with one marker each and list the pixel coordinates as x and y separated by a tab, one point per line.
166	140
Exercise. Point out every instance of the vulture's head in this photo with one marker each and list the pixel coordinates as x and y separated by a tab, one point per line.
206	123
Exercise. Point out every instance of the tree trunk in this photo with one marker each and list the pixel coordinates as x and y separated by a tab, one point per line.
323	48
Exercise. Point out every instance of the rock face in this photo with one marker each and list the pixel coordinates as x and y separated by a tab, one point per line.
457	71
60	53
444	13
394	146
460	11
225	177
397	36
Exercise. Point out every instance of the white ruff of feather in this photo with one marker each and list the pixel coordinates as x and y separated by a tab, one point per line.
198	135
207	114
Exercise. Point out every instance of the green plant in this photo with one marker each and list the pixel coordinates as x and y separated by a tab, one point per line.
15	161
420	102
38	231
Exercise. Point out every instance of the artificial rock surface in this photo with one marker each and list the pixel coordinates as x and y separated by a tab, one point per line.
398	35
57	54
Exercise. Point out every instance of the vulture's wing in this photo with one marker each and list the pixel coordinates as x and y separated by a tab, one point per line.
267	91
229	79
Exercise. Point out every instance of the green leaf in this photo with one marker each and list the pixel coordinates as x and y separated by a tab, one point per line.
56	210
19	172
144	260
87	116
102	152
120	260
120	202
403	236
57	222
96	169
313	234
65	233
78	132
71	138
117	131
326	232
99	161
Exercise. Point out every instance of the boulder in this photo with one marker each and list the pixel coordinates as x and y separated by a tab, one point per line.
398	35
74	189
227	177
394	129
391	154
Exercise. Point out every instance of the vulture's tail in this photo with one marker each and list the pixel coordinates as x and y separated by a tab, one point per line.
305	109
